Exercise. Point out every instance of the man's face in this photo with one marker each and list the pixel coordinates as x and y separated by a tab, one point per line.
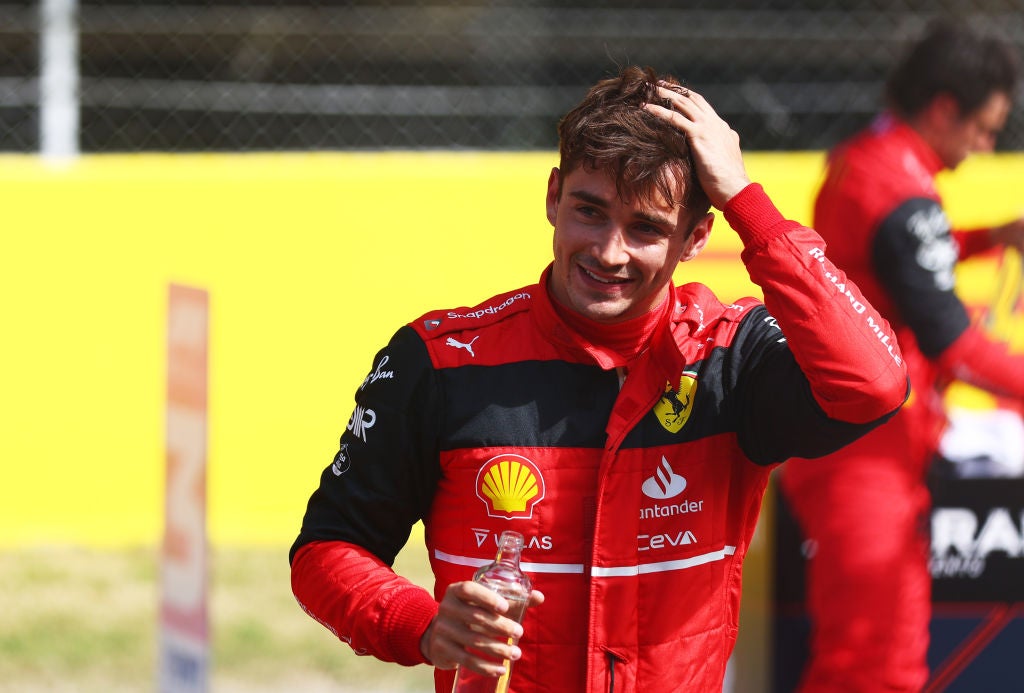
975	131
613	259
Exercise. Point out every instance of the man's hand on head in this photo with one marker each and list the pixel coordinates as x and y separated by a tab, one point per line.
715	145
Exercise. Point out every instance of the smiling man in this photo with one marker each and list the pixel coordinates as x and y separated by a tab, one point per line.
614	258
625	426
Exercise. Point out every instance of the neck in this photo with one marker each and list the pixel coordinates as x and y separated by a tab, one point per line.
627	339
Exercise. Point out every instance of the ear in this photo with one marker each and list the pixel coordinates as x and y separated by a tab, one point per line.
699	235
944	110
554	190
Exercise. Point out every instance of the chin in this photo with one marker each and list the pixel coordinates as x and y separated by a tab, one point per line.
606	314
953	163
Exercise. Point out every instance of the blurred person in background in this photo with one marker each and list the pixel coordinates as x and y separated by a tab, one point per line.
625	426
864	513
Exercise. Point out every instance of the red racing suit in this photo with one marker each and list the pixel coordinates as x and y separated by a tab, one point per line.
637	487
865	510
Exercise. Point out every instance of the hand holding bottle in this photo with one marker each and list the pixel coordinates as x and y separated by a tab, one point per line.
477	625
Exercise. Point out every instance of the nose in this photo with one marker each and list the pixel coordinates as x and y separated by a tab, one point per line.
610	247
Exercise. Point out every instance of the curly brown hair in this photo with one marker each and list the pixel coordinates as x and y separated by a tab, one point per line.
609	130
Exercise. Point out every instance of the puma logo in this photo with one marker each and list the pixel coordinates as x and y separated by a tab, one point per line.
468	346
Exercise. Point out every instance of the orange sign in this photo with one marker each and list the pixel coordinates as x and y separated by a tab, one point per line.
184	631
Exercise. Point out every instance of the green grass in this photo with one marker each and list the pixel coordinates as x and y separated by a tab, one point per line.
84	620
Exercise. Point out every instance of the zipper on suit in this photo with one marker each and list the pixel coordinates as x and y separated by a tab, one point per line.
611	671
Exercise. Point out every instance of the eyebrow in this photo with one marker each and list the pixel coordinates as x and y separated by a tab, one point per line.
584	196
598	201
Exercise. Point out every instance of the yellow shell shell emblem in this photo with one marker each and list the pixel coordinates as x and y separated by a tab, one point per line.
674	408
509	485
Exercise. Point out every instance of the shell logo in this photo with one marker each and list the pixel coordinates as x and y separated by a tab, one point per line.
509	485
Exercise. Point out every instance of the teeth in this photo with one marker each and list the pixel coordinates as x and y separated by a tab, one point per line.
601	279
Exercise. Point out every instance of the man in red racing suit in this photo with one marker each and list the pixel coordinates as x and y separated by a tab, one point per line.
626	427
864	512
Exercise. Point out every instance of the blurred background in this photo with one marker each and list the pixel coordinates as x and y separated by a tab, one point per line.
232	76
327	171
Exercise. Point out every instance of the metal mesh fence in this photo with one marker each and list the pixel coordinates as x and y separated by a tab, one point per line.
233	75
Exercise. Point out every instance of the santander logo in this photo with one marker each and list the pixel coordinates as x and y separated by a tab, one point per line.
665	483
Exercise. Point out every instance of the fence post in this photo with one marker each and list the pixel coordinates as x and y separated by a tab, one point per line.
58	84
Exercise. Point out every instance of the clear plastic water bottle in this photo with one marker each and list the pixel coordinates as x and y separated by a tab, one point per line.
505	577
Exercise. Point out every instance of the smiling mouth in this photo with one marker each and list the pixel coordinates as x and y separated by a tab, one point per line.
611	281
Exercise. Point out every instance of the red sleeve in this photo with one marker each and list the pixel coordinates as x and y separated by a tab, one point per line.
986	364
362	601
844	347
972	242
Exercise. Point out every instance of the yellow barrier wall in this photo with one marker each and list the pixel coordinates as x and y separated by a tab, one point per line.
311	261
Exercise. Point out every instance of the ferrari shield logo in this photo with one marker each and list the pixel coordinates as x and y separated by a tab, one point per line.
674	407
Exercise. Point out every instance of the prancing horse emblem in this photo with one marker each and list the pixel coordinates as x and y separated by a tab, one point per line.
675	406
